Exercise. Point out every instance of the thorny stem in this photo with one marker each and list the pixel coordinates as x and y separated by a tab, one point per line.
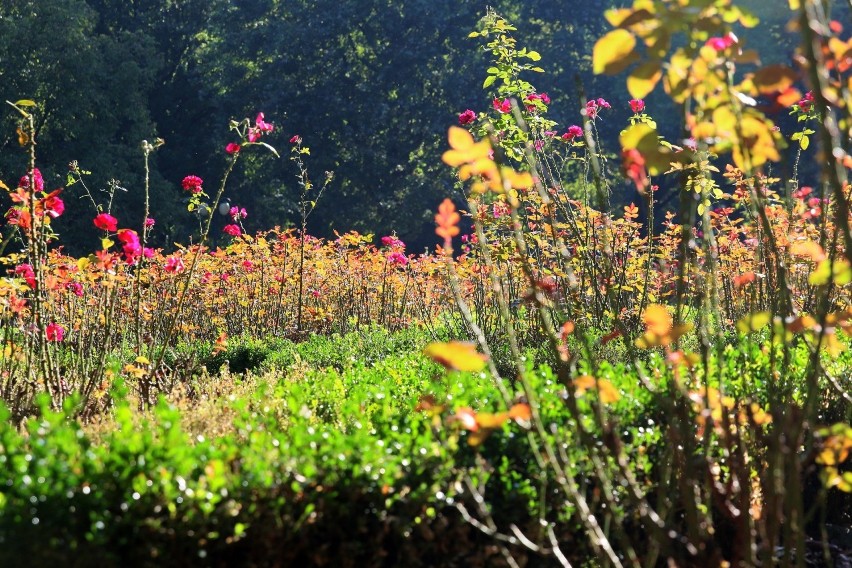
172	324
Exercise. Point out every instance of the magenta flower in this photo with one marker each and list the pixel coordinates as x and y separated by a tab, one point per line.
806	103
75	288
296	139
174	264
538	97
721	43
573	132
149	222
192	184
26	272
106	222
238	213
467	117
132	247
51	205
503	106
24	182
55	332
232	148
393	242
500	209
591	109
261	125
397	258
233	230
637	105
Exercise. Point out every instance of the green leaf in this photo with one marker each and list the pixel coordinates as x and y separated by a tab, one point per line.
25	103
534	55
489	81
804	142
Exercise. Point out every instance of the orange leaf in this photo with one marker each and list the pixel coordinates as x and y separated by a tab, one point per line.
808	249
657	320
221	343
447	220
520	411
606	390
743	279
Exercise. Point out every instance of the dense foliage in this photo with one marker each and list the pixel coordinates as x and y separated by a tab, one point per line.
577	374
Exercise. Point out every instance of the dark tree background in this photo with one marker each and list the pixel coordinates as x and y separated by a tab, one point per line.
370	85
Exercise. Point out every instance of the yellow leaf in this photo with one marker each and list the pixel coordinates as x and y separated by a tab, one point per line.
832	344
643	79
821	275
753	322
617	15
842	272
456	355
491	421
476	438
460	139
106	243
614	52
142	360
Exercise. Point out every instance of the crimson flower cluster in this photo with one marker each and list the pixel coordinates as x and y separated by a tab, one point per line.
503	106
637	105
806	103
593	107
467	117
192	184
573	131
254	133
530	100
721	43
